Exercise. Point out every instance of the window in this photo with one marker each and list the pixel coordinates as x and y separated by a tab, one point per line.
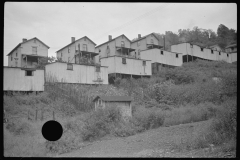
122	44
97	68
61	54
202	49
99	50
68	50
139	51
34	50
151	41
28	73
227	55
144	63
176	55
232	48
219	53
161	52
99	58
69	66
124	61
16	54
138	43
84	47
211	51
191	45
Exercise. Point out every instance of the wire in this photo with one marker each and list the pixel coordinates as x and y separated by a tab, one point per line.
132	21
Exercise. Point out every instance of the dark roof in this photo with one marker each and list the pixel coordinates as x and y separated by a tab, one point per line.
114	98
232	45
25	42
145	37
75	41
112	40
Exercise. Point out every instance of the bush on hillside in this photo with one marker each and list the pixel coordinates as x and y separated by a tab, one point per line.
146	119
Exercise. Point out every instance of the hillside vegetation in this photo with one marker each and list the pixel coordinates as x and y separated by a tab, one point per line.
174	96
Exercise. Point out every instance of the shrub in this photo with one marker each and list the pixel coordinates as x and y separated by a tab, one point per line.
19	127
100	122
148	118
225	122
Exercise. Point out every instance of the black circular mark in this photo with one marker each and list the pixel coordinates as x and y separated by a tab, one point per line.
52	130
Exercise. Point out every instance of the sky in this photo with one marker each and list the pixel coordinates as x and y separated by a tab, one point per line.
54	23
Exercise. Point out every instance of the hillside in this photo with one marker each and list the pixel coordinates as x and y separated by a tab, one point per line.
198	92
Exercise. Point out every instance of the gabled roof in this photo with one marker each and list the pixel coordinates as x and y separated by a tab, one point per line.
25	42
112	40
145	37
114	98
232	45
75	41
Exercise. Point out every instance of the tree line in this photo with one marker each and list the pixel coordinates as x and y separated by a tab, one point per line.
199	36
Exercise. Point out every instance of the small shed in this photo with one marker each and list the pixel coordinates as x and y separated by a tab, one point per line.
123	102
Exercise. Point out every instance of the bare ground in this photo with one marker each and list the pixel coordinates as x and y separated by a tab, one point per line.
159	142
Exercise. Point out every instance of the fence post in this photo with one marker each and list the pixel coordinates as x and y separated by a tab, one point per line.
53	115
28	115
36	114
42	115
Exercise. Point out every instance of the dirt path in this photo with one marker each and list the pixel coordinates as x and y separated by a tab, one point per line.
157	142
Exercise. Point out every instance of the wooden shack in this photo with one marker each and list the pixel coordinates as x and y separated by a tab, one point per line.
123	102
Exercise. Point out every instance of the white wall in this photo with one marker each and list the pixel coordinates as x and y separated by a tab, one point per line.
168	58
15	80
186	49
132	66
82	74
26	48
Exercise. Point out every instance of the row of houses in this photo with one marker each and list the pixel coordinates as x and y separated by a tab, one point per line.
84	62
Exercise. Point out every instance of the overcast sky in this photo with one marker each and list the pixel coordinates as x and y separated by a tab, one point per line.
55	23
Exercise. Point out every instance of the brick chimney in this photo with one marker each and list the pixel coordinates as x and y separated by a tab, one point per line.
73	39
139	35
109	37
24	39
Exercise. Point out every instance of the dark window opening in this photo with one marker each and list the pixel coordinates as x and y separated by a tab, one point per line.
202	49
227	55
16	54
124	61
176	55
99	50
97	68
69	67
28	73
161	52
232	48
211	51
219	53
144	63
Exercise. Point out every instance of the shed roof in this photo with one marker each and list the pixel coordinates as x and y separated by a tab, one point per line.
114	98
